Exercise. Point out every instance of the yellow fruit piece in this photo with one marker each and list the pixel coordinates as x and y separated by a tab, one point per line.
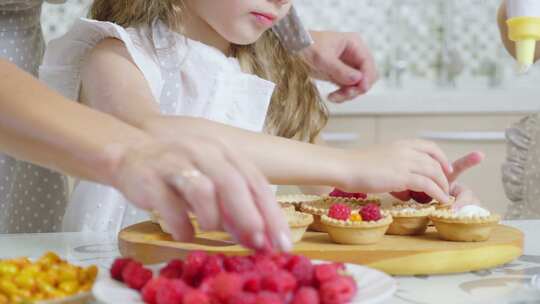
20	262
69	287
8	288
69	273
8	269
48	259
32	270
3	299
25	280
86	287
89	274
355	217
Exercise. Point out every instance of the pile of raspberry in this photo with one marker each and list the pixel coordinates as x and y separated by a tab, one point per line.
340	193
277	278
369	212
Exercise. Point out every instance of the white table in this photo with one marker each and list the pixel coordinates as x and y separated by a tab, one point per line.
509	284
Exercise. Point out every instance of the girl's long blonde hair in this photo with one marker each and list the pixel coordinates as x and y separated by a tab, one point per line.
296	109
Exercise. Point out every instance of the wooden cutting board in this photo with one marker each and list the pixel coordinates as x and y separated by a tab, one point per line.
398	255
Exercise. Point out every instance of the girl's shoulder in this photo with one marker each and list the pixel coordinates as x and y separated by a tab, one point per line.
65	56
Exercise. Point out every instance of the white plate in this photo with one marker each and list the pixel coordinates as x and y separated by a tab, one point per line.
373	287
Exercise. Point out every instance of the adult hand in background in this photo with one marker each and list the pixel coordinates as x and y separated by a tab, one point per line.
345	60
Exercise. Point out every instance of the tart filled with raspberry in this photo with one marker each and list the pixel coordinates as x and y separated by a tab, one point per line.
298	223
365	226
468	224
409	219
297	200
340	196
320	208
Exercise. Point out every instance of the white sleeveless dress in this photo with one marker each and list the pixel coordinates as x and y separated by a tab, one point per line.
32	198
186	78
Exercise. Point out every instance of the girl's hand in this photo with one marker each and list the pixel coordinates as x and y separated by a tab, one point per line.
464	196
460	192
203	176
412	164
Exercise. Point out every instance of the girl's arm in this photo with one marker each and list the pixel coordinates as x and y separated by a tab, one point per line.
317	190
112	83
503	28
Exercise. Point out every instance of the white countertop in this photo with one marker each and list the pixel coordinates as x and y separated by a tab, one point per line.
508	284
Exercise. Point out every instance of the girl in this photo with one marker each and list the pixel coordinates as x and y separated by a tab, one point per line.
159	63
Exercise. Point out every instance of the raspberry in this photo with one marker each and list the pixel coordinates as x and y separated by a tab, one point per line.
135	275
193	267
281	259
252	282
139	278
149	290
340	193
421	197
170	273
173	270
338	291
302	269
306	295
264	264
118	266
267	297
280	282
339	212
226	285
206	285
371	212
325	272
243	298
196	297
171	292
213	266
238	264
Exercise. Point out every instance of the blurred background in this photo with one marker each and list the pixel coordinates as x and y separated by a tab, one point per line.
445	76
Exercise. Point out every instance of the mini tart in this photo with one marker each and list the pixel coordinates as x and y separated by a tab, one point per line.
463	229
356	233
297	200
318	209
298	224
370	199
409	219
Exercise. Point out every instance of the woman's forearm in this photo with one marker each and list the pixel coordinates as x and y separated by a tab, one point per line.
503	29
282	161
40	126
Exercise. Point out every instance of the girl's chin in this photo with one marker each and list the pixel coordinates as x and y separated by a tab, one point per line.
246	38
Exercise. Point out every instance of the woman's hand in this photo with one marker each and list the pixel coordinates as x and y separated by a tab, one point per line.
345	60
203	176
411	164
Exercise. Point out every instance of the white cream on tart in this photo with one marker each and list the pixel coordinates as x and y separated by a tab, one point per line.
472	211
